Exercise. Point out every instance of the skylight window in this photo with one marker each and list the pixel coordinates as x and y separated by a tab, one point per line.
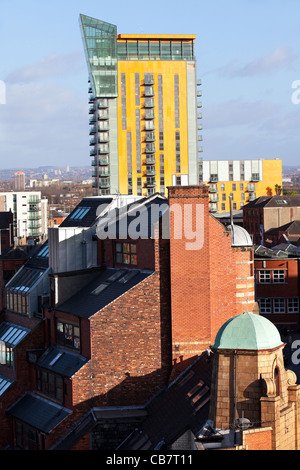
55	359
79	213
99	289
115	276
127	277
281	201
44	252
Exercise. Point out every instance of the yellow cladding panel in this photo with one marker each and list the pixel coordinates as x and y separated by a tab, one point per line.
183	37
272	176
168	69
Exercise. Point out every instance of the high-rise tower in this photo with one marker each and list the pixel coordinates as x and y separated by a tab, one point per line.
143	109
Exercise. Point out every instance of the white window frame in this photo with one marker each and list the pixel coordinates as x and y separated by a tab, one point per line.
293	304
279	305
265	306
279	276
262	278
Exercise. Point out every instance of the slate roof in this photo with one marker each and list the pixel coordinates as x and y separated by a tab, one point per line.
5	383
274	201
293	228
39	257
61	362
142	213
14	253
183	405
38	412
102	290
88	217
12	334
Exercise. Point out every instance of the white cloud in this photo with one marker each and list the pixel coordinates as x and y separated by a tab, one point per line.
238	112
53	65
44	123
280	57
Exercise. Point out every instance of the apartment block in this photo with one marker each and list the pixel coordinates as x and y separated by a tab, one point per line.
263	217
30	214
240	181
145	112
277	286
97	324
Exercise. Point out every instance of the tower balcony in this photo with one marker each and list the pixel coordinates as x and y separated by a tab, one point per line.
213	188
150	171
149	103
214	198
214	178
148	81
103	115
149	114
102	103
150	137
150	183
149	91
250	187
103	149
213	207
150	160
150	148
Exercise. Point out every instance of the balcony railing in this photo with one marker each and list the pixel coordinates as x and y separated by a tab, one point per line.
213	207
213	188
150	160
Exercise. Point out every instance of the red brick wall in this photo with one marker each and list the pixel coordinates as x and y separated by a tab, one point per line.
7	265
130	349
204	281
21	374
261	440
144	248
290	288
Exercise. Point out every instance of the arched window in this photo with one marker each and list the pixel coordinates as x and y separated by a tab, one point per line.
276	380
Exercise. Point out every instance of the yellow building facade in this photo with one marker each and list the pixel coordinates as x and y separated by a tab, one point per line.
144	110
240	181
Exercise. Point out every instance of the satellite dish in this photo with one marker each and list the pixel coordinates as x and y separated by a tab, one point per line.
243	423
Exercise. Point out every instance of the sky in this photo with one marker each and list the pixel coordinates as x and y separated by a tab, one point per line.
247	53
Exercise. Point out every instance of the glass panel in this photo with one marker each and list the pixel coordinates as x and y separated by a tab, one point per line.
154	49
143	49
166	50
126	259
132	48
133	259
100	45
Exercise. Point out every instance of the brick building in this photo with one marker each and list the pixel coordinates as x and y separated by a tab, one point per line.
216	276
277	285
269	212
254	399
109	315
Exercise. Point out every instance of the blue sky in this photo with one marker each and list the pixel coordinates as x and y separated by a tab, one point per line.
247	53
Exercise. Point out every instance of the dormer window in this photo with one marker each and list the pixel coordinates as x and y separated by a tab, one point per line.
126	253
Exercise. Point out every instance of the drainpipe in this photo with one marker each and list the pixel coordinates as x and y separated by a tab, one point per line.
235	394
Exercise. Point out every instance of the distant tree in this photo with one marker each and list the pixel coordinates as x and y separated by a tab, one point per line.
269	191
278	189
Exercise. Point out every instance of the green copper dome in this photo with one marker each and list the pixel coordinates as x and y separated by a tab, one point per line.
248	331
